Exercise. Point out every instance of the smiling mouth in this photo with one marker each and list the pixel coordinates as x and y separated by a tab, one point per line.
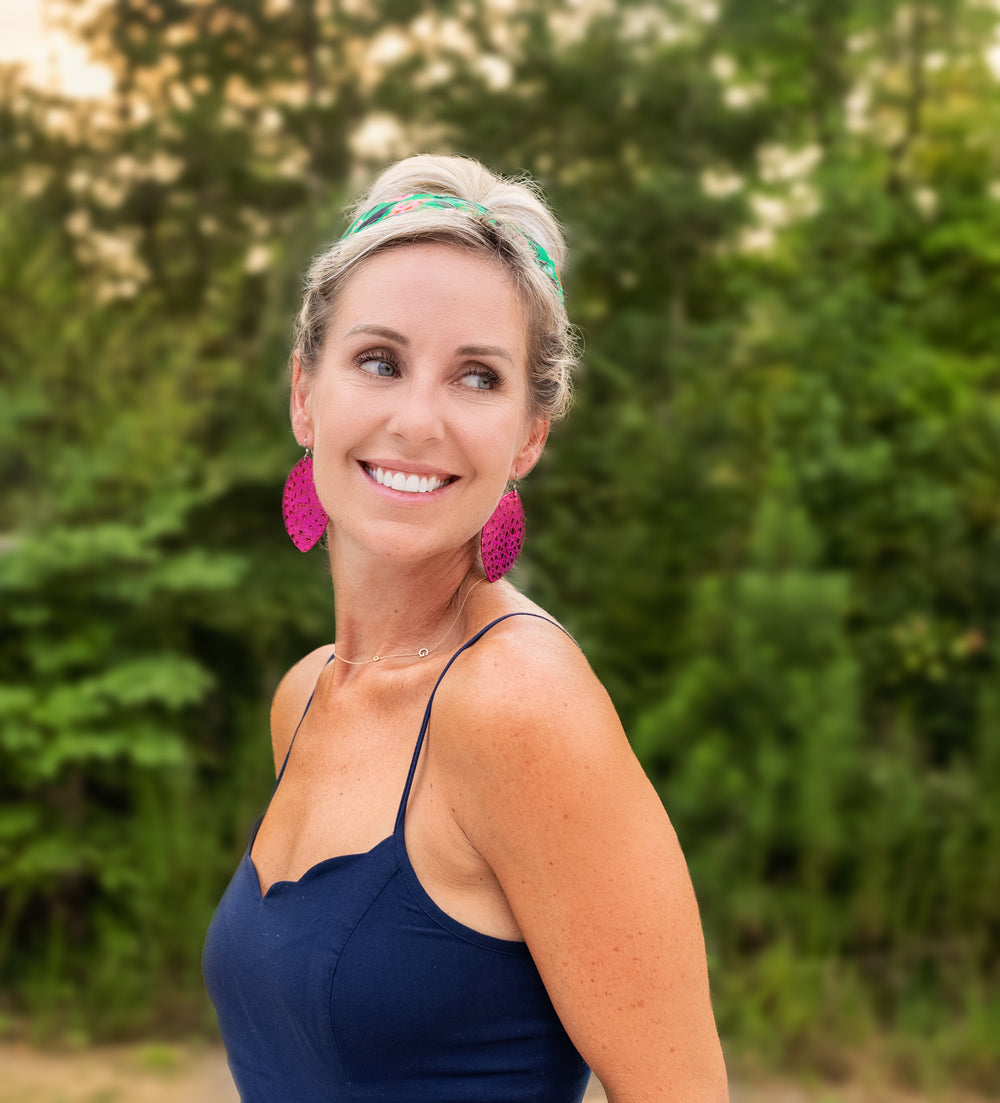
409	484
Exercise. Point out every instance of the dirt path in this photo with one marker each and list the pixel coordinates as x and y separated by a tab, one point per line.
161	1073
115	1074
126	1074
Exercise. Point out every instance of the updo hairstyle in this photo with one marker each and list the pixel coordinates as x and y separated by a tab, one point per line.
516	210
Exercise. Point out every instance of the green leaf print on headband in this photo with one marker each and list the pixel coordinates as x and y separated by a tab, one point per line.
404	203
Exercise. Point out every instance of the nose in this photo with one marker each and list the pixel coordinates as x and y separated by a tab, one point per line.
417	416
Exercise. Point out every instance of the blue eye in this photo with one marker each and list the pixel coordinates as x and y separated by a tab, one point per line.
377	365
480	380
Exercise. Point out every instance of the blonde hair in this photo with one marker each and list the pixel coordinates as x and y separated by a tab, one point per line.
516	213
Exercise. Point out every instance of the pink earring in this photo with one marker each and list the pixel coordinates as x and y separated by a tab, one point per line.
502	536
305	518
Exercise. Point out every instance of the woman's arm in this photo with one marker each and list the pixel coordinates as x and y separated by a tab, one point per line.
548	791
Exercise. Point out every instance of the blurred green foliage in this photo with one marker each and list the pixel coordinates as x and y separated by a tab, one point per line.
772	519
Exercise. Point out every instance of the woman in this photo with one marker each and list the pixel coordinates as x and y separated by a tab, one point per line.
530	913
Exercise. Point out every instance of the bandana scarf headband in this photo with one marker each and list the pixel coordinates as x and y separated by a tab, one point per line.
416	200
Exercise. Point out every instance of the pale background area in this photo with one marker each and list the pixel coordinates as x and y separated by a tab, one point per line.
132	1074
164	1073
51	58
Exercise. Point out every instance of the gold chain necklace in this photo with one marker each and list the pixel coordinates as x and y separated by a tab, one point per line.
424	651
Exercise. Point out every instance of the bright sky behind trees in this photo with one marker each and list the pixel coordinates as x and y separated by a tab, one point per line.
52	58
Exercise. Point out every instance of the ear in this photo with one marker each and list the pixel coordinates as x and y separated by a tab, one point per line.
531	450
299	407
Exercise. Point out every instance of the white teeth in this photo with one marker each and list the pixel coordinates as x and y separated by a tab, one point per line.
410	484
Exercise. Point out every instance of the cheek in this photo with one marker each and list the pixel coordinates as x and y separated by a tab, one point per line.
494	446
327	409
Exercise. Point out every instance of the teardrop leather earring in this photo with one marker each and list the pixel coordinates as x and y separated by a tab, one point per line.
305	518
502	536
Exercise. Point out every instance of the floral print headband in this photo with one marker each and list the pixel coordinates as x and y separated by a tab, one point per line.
416	200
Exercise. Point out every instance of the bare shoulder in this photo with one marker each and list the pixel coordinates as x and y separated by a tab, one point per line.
530	742
526	688
533	748
291	697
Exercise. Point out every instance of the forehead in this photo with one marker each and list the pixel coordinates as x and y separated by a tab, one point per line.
434	291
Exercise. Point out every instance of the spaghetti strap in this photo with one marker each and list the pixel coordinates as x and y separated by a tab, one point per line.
281	772
401	813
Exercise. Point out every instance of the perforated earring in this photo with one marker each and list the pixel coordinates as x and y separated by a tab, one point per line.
502	536
305	518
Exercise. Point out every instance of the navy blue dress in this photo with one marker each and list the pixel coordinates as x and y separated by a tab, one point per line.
351	984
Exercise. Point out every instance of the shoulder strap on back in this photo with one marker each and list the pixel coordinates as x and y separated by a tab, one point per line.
401	814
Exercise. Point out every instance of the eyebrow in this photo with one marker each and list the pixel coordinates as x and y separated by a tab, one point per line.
485	350
379	331
400	339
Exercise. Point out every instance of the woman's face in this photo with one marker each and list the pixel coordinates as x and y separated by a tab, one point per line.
418	411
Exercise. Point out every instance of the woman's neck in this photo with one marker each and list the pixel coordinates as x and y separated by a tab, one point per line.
395	610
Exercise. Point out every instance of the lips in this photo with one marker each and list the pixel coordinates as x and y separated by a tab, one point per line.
407	482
